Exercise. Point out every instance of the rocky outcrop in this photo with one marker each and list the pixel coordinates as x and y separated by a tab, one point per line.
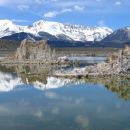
117	64
33	51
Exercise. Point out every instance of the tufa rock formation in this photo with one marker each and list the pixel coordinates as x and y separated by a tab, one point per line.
117	64
30	50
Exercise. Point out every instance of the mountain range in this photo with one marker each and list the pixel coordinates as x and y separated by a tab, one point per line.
70	35
52	31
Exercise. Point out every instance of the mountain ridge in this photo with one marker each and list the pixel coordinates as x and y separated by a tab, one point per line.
119	35
66	31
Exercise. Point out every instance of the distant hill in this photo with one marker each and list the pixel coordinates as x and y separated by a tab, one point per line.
21	36
41	36
121	35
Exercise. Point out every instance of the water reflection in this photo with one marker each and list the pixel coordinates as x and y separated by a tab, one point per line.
119	85
8	82
30	99
37	76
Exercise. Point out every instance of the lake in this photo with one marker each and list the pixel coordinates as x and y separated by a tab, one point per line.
32	100
91	59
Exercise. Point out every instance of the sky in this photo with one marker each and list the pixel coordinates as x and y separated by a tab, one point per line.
111	13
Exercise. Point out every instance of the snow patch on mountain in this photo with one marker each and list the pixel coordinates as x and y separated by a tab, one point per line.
71	32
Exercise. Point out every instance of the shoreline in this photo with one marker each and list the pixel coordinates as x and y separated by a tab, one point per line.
80	76
17	62
118	64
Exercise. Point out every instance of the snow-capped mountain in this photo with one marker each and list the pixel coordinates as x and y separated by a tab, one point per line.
120	35
65	31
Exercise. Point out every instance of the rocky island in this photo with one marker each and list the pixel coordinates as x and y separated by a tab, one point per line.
117	64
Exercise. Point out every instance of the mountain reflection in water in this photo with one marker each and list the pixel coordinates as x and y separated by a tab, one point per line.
30	99
37	76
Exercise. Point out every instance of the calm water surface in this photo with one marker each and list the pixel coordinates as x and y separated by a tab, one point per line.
30	100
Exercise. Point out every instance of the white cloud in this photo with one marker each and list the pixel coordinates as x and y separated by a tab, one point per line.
118	3
55	7
71	3
78	8
66	10
45	1
52	14
23	7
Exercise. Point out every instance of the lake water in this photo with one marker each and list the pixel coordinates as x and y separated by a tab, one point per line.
30	100
88	59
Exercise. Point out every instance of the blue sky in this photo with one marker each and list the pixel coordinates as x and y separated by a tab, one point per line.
112	13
